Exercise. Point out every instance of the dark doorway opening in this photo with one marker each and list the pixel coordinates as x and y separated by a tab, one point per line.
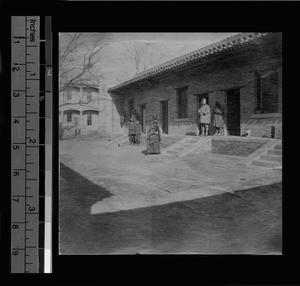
143	117
164	116
130	107
233	112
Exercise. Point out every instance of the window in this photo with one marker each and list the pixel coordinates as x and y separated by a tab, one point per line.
89	119
89	96
130	107
69	94
267	92
69	117
182	102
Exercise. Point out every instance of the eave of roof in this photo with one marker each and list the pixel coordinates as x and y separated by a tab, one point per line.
197	55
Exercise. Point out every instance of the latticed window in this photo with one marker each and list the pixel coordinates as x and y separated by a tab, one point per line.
182	102
69	117
89	119
69	94
89	96
267	92
269	88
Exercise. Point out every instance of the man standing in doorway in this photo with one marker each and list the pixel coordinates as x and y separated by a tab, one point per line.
204	120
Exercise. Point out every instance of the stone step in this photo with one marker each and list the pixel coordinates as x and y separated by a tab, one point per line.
179	148
266	164
275	158
191	141
275	152
186	145
172	152
278	146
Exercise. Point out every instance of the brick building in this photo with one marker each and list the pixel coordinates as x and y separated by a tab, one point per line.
243	73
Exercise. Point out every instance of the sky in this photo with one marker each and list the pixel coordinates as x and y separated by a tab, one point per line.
171	45
166	46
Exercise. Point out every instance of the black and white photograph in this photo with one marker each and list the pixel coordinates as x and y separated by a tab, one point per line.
170	143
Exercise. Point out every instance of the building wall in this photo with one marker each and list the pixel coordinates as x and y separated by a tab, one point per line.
102	123
214	79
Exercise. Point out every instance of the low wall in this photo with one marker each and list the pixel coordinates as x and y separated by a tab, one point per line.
238	146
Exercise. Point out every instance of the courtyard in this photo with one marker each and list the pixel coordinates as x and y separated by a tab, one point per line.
115	200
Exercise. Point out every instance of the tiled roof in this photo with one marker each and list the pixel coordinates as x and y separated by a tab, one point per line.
213	49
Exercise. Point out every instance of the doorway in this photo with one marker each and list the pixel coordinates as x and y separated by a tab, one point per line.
143	117
233	112
164	116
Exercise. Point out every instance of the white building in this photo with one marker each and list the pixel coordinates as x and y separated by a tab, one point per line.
85	109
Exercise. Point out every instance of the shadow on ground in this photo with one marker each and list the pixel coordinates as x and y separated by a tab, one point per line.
76	196
247	221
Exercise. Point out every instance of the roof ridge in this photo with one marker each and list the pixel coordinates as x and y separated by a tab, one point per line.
204	51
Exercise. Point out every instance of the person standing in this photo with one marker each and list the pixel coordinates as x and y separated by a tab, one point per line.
153	137
218	118
131	135
137	132
204	120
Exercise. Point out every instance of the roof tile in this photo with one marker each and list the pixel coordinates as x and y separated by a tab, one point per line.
212	49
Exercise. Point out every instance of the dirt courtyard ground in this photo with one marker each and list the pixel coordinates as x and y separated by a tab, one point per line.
113	200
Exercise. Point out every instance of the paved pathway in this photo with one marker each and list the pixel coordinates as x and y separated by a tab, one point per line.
138	181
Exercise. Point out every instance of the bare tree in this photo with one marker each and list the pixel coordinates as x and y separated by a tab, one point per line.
80	58
144	54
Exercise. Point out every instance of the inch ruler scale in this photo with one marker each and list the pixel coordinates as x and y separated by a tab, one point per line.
31	144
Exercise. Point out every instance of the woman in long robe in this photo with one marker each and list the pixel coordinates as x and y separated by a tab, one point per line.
153	138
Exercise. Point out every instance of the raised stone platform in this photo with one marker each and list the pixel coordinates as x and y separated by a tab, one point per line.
235	145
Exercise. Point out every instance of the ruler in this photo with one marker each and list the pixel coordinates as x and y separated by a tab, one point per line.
31	91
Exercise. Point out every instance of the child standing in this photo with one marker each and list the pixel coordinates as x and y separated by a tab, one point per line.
218	118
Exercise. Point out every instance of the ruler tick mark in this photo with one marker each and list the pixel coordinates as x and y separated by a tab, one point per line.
23	196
